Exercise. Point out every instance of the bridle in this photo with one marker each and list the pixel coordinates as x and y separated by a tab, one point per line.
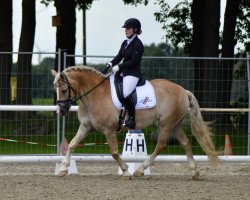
65	104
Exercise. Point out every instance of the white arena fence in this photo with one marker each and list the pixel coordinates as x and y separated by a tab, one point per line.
35	130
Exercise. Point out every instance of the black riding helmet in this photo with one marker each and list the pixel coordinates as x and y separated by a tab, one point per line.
133	23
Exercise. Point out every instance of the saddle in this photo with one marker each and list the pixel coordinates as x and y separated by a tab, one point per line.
119	88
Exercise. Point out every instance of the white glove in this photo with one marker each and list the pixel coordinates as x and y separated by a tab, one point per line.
109	64
115	68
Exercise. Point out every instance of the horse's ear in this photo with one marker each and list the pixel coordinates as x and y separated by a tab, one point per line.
53	72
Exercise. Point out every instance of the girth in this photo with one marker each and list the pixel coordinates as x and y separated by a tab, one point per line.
119	88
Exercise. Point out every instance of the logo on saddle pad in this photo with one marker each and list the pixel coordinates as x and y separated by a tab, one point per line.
145	101
145	95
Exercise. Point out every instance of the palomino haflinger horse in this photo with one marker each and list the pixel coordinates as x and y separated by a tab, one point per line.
97	112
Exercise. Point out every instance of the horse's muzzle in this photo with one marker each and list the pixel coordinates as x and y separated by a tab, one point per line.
64	106
63	111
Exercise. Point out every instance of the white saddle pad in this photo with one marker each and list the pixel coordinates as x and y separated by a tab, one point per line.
145	95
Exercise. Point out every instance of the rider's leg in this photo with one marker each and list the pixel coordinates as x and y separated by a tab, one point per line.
129	84
129	105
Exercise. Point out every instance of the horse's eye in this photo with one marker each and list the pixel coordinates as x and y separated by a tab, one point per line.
64	91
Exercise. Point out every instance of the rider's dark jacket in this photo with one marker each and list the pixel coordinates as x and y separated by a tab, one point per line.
131	56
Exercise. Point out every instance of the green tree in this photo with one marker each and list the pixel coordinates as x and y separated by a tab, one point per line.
66	25
153	50
194	25
154	65
186	20
226	66
178	33
195	28
41	80
26	43
5	46
203	44
205	16
162	49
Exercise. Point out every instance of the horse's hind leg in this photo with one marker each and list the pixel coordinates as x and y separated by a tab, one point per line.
161	145
185	143
80	135
113	145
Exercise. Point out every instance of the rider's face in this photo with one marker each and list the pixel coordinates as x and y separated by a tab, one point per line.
129	32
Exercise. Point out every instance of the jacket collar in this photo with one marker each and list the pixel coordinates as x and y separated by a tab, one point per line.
131	40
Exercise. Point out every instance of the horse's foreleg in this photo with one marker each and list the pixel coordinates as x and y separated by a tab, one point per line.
161	145
185	143
113	145
80	135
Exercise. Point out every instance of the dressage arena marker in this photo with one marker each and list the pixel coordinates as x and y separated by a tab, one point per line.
134	146
72	169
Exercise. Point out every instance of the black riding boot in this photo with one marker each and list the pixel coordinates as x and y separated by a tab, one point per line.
129	105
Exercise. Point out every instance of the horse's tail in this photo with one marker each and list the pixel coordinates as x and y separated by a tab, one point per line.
201	130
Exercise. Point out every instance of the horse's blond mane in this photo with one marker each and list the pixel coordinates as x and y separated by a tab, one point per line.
83	68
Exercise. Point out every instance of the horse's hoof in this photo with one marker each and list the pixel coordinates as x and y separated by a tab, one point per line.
127	177
138	174
196	176
63	173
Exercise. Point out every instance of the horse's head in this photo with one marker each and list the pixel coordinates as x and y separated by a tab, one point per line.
64	91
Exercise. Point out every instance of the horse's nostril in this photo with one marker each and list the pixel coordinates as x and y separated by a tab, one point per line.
63	111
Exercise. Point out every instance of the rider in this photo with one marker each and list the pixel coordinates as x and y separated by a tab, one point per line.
131	53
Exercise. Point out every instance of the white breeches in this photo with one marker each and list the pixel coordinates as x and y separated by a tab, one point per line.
129	84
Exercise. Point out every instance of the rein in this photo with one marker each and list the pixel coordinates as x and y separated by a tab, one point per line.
69	100
92	88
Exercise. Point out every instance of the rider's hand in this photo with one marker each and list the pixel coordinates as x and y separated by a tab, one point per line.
109	65
115	68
